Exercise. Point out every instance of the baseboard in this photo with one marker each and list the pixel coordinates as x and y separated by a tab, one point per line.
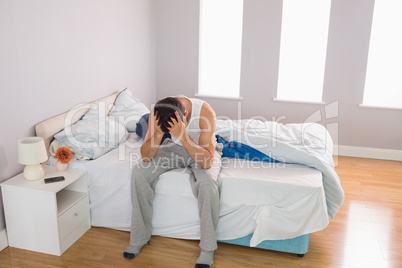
366	152
3	239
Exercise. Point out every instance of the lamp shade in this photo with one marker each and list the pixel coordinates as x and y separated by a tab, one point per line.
31	150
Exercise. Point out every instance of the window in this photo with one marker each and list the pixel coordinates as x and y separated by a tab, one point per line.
383	85
220	47
303	49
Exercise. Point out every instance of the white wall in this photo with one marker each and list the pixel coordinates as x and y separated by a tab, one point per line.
177	68
56	54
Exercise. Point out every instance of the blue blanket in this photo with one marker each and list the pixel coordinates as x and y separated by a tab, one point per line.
236	149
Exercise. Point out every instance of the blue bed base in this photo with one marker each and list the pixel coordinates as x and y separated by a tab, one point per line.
297	245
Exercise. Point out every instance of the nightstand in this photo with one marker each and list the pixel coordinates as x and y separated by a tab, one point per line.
47	218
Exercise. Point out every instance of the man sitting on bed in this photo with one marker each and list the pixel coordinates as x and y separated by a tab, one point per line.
191	123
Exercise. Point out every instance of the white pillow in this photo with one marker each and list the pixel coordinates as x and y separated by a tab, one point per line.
128	110
94	135
55	144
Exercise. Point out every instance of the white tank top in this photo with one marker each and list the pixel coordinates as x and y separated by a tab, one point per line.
193	127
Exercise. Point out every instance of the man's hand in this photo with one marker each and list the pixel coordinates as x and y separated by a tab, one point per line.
177	126
152	139
154	123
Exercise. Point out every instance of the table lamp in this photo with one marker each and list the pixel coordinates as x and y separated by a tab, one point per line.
32	152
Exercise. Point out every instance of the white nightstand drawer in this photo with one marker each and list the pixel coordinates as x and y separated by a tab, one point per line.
74	235
73	217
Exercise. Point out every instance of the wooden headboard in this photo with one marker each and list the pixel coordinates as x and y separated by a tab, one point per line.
50	127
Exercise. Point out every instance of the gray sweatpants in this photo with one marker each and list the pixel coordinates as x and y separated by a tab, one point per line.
204	183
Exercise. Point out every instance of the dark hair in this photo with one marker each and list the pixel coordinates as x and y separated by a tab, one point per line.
165	109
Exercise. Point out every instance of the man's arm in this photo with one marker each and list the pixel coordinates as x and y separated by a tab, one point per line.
203	152
152	139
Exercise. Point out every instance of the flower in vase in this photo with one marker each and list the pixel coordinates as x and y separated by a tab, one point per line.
64	155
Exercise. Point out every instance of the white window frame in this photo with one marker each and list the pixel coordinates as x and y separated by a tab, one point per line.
303	50
221	25
383	85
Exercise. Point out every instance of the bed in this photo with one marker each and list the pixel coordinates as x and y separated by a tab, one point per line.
263	204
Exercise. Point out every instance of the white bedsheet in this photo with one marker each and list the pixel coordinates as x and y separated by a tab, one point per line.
307	144
275	201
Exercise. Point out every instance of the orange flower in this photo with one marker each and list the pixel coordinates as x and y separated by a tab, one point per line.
63	154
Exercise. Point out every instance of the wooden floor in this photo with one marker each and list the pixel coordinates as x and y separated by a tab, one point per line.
366	232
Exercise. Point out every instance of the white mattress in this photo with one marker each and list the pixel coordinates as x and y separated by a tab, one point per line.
275	201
